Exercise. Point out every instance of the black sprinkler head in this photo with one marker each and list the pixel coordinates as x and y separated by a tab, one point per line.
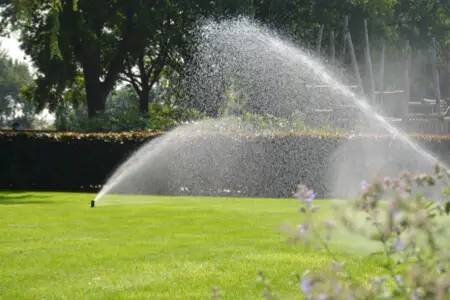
92	203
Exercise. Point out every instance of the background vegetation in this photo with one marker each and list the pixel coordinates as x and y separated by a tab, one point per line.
109	65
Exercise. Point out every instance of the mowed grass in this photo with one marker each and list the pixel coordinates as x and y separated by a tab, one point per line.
54	246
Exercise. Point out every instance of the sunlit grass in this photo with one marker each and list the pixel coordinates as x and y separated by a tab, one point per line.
54	246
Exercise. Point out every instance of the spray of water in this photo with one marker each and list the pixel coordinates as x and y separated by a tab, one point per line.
243	63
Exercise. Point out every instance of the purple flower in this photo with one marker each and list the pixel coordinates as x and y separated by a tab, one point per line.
380	280
364	185
302	227
398	278
399	246
309	198
396	214
415	295
306	287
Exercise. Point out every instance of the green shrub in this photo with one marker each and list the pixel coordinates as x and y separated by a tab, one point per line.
127	118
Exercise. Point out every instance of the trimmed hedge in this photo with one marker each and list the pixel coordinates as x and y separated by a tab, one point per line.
63	161
259	165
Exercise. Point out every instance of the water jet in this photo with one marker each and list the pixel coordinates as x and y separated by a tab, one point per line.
258	72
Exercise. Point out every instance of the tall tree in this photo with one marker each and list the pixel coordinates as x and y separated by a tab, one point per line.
99	39
13	76
93	40
142	71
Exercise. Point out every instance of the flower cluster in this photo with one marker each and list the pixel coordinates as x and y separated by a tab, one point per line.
305	195
408	226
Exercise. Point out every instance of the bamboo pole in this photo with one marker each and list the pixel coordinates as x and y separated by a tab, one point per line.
354	62
381	83
437	90
344	39
406	100
369	63
332	49
319	40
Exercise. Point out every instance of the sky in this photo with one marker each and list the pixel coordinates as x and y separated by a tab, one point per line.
12	47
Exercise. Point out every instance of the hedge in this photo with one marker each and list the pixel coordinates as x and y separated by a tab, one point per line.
246	164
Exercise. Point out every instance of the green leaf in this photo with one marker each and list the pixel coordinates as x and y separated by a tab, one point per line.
377	237
447	208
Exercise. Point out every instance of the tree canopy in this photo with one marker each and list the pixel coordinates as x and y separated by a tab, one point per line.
14	76
83	48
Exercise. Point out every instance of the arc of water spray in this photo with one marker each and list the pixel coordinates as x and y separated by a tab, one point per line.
242	39
320	70
124	170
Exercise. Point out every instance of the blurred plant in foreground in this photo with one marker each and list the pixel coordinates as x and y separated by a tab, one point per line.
407	225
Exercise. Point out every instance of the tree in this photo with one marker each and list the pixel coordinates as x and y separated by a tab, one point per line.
85	45
171	43
157	53
13	76
93	40
103	41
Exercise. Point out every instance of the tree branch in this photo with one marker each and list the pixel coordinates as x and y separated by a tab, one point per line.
142	71
146	75
159	67
131	78
134	83
160	62
117	64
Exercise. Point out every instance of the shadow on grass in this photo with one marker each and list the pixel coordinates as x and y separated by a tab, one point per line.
15	198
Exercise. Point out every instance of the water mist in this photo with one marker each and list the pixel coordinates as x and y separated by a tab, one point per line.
267	74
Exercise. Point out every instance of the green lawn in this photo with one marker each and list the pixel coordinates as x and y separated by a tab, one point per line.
54	246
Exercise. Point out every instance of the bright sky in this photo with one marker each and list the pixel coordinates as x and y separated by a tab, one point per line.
12	47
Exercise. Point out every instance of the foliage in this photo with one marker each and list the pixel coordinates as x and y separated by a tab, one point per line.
141	41
413	22
63	137
97	40
121	118
14	106
118	136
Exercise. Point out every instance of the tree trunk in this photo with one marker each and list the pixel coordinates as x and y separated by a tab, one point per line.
89	55
95	97
144	100
96	92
